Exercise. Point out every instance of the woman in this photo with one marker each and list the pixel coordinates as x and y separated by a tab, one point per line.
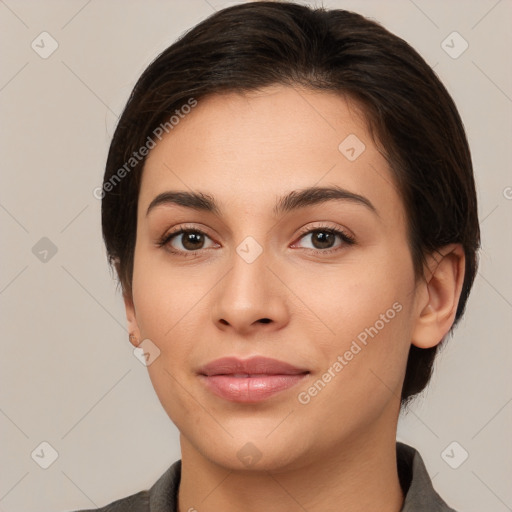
289	204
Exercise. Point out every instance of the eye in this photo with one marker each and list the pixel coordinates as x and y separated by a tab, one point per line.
323	238
185	241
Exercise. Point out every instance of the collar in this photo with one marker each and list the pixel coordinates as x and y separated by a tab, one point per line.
420	494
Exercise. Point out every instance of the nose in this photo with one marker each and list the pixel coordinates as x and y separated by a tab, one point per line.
250	297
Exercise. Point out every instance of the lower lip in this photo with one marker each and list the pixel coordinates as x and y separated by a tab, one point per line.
250	389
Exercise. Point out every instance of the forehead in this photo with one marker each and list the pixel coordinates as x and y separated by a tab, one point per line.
248	149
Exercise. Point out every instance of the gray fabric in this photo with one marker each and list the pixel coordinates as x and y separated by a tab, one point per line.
420	495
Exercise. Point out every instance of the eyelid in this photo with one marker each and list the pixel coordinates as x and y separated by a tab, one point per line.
166	238
325	226
347	238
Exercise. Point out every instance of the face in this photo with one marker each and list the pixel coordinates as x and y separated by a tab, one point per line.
322	281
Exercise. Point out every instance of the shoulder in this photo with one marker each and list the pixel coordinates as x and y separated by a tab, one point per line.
420	494
161	497
138	502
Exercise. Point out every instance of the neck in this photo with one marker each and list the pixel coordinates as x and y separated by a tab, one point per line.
359	475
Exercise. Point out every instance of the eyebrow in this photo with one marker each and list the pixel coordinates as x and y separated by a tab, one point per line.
294	200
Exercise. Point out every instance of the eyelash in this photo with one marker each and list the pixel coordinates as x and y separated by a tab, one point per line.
347	239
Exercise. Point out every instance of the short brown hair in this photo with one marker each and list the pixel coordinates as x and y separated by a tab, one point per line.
409	112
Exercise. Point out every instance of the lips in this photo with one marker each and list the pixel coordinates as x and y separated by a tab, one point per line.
249	380
249	367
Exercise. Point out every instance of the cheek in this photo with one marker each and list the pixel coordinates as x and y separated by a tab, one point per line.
163	296
367	307
172	311
369	344
369	293
168	312
360	365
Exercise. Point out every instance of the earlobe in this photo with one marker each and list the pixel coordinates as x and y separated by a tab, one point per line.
133	327
444	280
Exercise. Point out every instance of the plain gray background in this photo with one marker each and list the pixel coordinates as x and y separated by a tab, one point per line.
69	376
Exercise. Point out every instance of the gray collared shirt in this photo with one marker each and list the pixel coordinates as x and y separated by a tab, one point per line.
420	495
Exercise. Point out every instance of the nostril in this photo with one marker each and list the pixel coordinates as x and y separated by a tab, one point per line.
265	320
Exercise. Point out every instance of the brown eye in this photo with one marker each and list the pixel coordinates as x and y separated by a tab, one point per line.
192	240
323	240
186	241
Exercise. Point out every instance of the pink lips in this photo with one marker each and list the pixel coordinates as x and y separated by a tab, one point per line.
250	380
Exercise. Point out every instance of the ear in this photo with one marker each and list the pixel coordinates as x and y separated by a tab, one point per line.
133	327
439	295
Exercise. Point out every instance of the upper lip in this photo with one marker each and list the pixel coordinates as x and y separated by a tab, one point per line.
256	365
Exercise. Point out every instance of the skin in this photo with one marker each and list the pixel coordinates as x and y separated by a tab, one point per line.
247	151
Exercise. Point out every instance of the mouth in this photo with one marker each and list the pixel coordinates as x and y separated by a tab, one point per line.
251	380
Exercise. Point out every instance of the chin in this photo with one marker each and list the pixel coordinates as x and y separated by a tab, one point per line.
258	453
